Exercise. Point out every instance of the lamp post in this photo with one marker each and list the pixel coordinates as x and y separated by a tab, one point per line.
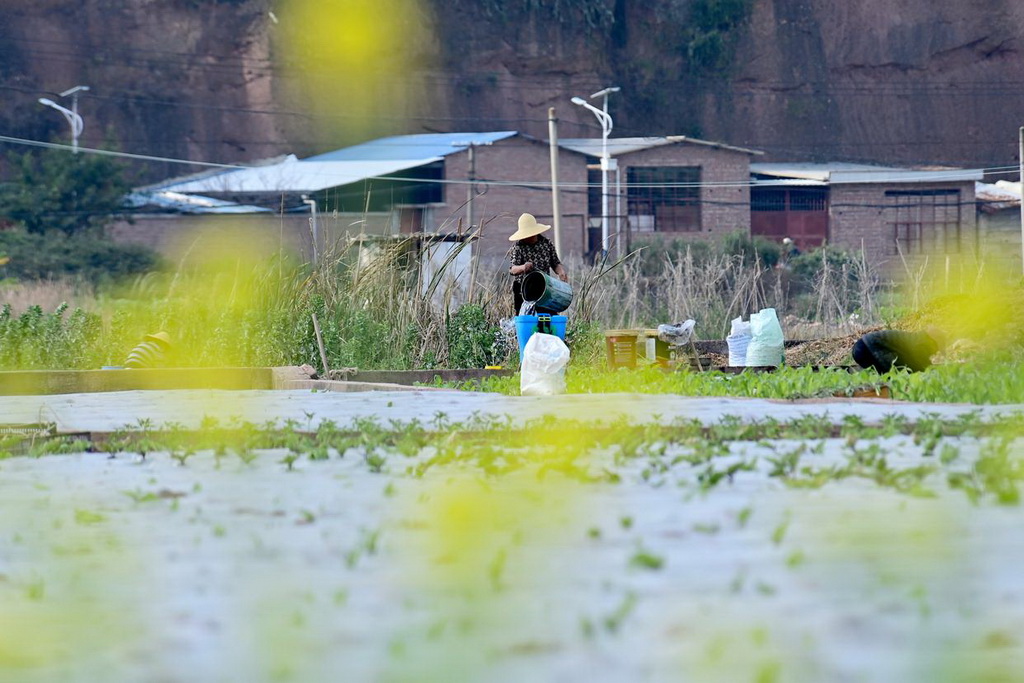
74	120
605	119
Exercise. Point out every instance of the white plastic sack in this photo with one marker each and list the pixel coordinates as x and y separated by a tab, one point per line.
542	372
766	342
678	334
738	339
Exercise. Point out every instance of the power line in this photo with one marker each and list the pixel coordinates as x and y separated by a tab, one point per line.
110	153
936	176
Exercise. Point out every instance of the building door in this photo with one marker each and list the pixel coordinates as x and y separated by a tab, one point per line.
800	214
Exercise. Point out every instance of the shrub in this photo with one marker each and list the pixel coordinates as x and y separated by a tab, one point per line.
471	339
37	339
68	193
752	248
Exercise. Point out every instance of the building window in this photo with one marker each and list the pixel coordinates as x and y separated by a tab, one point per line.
664	199
924	221
768	200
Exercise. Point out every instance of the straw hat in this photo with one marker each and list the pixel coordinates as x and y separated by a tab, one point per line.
162	337
528	227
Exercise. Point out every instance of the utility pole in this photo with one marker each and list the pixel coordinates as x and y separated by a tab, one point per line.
313	228
469	187
613	165
555	210
471	146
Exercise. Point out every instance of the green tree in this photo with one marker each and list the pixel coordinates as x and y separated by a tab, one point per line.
56	190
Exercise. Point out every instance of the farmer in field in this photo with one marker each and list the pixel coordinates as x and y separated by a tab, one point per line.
884	350
151	352
531	251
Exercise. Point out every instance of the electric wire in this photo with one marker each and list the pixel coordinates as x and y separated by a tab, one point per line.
935	176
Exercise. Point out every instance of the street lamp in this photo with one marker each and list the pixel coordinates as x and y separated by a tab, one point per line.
605	119
74	120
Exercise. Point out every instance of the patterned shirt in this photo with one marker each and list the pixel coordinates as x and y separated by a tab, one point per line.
541	253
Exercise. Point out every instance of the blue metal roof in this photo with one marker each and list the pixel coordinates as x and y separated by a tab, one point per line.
407	147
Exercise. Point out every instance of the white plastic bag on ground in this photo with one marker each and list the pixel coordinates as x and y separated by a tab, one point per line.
766	342
542	372
677	334
738	339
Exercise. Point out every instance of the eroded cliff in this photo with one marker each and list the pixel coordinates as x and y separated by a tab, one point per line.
922	81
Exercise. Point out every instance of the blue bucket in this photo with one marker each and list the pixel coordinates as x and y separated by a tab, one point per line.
526	325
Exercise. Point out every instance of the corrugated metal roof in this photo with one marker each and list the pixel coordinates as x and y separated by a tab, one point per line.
188	203
370	159
840	173
787	182
620	146
426	146
293	175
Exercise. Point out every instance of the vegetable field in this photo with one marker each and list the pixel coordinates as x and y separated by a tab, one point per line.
440	535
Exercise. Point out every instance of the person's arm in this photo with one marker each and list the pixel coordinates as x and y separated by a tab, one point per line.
556	265
519	263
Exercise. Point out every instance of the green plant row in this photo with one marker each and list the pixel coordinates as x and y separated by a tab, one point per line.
700	453
991	379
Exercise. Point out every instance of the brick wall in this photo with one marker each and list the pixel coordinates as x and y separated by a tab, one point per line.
1000	238
173	235
524	161
724	208
859	218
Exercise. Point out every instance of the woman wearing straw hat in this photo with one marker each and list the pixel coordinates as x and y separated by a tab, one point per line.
531	251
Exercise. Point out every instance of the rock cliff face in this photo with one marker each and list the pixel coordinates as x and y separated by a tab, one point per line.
920	81
180	78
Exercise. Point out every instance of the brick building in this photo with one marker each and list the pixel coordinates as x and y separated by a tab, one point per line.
445	183
674	186
458	184
884	211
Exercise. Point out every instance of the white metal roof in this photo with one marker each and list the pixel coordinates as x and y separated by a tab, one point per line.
292	175
620	146
415	146
187	203
843	173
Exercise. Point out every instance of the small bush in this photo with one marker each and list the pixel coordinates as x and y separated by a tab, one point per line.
36	339
471	338
752	248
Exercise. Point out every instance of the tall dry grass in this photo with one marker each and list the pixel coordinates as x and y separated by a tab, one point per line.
47	294
715	288
379	306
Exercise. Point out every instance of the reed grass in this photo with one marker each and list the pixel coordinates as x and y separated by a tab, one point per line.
379	308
